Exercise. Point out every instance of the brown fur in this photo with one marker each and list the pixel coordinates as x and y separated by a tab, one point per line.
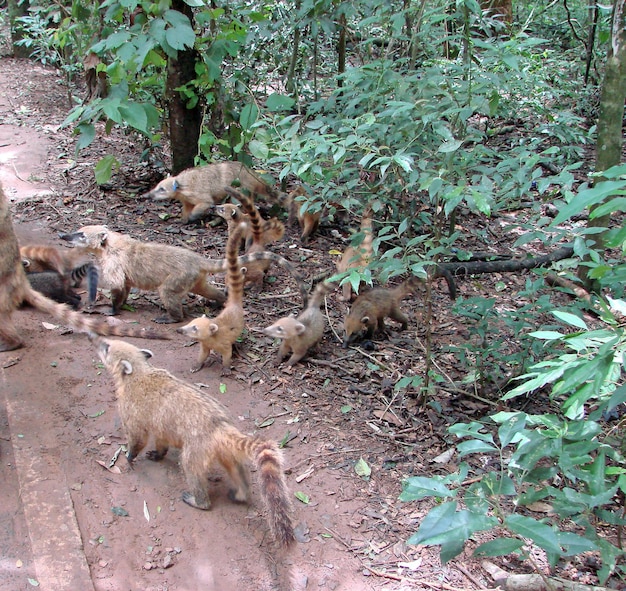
302	333
357	257
309	221
370	309
200	188
152	401
220	334
15	290
262	233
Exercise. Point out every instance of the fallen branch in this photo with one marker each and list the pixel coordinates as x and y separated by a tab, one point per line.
509	582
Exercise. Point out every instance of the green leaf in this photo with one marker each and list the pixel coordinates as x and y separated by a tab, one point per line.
450	146
135	116
499	547
541	534
279	102
180	34
570	318
473	446
248	117
259	149
586	198
417	488
302	497
362	469
104	169
222	388
87	133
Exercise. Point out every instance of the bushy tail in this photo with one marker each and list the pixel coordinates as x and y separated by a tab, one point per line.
320	291
84	323
268	459
90	271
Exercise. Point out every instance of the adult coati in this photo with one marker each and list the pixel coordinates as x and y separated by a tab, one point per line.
54	286
70	267
200	188
219	334
368	312
15	290
302	333
173	271
152	401
262	233
357	257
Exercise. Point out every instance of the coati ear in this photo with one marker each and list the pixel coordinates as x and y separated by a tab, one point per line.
126	367
365	319
244	270
300	328
102	237
213	328
146	353
25	263
175	185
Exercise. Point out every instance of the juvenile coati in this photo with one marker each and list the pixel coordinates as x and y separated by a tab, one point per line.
200	188
71	268
152	401
219	334
309	221
357	257
368	312
15	290
171	270
262	232
54	286
259	232
302	333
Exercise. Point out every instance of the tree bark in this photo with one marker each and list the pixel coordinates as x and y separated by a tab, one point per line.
611	113
16	10
184	122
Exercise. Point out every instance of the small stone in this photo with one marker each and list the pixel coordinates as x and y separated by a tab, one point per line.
168	561
147	566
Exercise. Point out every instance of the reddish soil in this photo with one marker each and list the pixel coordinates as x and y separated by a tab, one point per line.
69	523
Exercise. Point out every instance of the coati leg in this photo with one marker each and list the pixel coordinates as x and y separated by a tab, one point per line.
239	476
161	448
9	337
198	494
135	444
118	299
397	315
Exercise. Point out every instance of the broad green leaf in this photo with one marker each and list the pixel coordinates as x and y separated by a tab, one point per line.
570	318
586	198
450	146
87	133
362	468
473	446
259	149
249	115
417	488
104	169
499	547
541	534
279	102
135	116
302	497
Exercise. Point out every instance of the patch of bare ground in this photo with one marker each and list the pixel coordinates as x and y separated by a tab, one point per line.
332	410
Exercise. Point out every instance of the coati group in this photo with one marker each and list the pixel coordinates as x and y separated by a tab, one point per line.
151	401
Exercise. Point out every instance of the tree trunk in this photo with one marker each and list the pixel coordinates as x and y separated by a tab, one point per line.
16	10
502	9
184	122
612	97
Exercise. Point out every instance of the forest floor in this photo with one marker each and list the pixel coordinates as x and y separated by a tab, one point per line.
70	521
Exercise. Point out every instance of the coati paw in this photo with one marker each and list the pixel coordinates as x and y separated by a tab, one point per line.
237	496
155	455
191	500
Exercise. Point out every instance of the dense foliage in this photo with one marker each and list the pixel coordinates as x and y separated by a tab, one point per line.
439	111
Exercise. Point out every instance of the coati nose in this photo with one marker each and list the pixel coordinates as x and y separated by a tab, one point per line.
70	237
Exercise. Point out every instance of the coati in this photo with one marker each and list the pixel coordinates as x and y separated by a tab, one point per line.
309	221
54	286
152	401
219	334
368	312
262	233
71	268
302	333
173	271
357	257
200	188
259	232
15	290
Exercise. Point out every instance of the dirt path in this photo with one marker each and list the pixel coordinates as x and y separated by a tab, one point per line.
67	522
